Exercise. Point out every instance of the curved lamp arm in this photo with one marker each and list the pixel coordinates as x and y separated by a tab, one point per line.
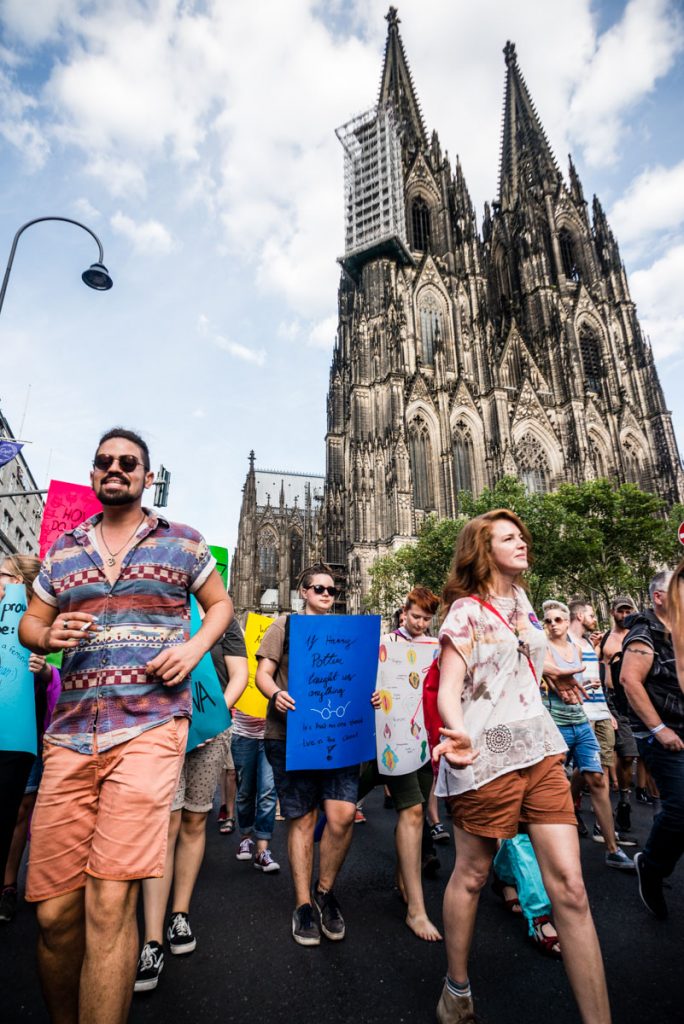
106	281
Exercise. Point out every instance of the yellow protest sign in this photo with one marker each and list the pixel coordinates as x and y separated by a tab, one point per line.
252	702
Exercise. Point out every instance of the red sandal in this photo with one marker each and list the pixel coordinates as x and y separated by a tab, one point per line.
548	945
511	905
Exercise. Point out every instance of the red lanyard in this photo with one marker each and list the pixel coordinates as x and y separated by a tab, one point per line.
491	608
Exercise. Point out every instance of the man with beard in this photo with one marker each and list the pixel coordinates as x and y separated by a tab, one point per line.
113	595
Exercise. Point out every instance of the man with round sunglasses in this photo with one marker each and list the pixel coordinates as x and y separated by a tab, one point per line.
301	793
113	595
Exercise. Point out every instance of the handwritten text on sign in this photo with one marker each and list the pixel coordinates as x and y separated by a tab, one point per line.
67	506
399	725
17	701
210	716
332	670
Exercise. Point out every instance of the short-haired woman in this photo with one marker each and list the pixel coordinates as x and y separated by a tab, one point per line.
501	758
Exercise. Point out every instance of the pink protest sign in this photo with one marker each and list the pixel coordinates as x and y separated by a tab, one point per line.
67	506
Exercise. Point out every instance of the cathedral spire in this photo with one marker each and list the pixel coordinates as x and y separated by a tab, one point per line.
396	88
526	157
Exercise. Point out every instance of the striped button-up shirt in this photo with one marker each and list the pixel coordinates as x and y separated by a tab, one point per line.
107	696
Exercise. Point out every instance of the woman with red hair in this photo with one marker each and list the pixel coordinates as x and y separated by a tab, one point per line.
501	758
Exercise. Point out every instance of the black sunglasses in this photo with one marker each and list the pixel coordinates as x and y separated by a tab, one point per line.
550	621
129	463
318	588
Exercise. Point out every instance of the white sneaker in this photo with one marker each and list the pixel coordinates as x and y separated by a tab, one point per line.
264	862
245	849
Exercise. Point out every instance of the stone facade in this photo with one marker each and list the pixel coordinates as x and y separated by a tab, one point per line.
279	534
20	516
463	355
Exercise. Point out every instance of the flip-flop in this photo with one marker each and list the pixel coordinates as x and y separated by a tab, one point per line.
227	826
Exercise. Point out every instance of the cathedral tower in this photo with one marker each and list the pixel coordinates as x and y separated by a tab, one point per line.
462	356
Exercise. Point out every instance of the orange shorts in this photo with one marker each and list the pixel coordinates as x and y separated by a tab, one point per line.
105	814
538	795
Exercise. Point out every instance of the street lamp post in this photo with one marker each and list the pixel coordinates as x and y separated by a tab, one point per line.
96	276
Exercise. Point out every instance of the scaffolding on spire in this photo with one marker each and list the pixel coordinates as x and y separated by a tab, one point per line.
375	218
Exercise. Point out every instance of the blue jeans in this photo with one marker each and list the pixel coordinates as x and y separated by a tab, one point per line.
665	844
256	795
516	864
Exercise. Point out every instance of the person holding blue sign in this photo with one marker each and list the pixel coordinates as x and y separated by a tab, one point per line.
301	793
113	594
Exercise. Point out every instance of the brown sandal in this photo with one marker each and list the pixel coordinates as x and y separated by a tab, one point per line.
511	905
548	945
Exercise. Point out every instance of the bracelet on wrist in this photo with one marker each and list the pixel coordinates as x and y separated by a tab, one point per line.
657	729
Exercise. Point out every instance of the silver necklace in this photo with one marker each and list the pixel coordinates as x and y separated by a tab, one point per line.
111	560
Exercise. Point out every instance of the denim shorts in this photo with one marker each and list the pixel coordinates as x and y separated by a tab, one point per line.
583	748
303	791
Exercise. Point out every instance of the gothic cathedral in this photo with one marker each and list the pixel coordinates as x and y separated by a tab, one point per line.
463	355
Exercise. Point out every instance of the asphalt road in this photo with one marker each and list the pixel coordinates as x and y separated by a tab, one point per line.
247	967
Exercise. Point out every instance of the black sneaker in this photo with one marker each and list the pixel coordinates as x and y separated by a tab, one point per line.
332	922
581	827
179	934
8	903
623	816
643	796
305	928
650	888
150	966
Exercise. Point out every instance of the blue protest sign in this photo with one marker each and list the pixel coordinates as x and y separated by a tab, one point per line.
332	669
17	700
210	716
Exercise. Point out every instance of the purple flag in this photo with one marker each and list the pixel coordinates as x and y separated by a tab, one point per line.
9	450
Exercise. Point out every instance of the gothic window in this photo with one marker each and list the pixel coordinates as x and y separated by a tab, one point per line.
598	459
268	561
420	223
420	450
636	471
533	464
591	358
430	327
464	458
571	267
295	556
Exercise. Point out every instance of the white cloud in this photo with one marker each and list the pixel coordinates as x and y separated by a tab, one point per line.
653	202
82	207
149	236
234	348
658	294
322	334
629	59
19	125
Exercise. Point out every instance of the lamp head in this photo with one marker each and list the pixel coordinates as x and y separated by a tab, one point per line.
97	277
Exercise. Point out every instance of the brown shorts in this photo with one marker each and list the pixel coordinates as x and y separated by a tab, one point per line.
605	734
104	814
538	795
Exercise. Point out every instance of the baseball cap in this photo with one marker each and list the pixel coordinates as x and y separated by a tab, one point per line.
623	601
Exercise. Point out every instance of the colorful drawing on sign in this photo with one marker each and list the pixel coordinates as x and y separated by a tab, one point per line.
252	702
331	676
389	760
383	653
400	679
385	701
66	507
387	732
221	556
17	701
210	716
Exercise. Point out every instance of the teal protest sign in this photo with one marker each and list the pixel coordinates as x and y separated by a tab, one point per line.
17	701
210	716
332	670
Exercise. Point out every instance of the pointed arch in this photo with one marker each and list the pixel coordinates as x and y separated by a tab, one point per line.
599	451
569	253
422	464
267	559
533	464
296	555
635	461
590	352
468	451
421	224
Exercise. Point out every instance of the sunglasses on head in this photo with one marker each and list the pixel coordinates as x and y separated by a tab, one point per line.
554	621
129	463
319	589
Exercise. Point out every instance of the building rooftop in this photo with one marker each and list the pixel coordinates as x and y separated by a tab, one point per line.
269	483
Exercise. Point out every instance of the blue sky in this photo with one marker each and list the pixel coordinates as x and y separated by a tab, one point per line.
197	140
